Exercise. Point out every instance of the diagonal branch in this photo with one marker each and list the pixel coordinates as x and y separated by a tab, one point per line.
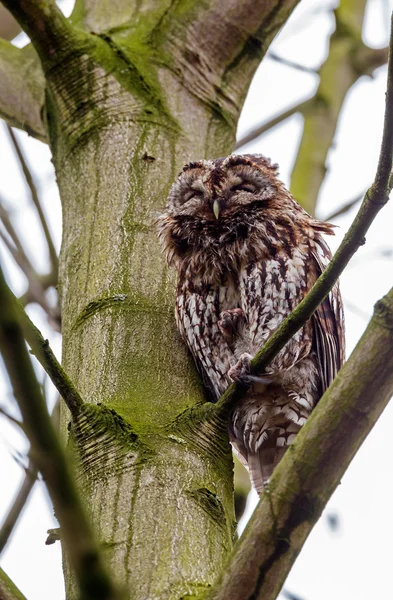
49	457
18	505
31	474
261	129
345	208
313	466
44	23
41	349
21	89
376	197
8	590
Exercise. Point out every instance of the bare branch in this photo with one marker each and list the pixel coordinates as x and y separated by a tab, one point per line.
345	207
292	64
348	60
261	129
45	25
36	200
49	457
36	284
17	505
8	590
44	354
376	197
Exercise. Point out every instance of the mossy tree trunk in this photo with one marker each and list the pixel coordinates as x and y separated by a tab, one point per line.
133	90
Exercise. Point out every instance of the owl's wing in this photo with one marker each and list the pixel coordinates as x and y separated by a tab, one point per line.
197	316
328	323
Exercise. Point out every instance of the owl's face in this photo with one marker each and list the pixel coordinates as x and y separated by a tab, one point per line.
224	211
216	190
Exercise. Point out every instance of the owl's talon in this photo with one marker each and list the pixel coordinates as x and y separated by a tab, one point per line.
229	323
240	372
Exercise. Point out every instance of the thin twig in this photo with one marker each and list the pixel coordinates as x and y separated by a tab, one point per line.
345	207
31	475
49	457
18	504
36	289
264	127
375	198
290	63
5	218
36	200
41	349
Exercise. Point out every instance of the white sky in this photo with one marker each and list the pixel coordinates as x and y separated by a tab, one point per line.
355	561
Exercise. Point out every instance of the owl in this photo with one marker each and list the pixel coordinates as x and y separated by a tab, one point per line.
246	254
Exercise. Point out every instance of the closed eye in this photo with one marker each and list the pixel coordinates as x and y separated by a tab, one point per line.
191	194
244	187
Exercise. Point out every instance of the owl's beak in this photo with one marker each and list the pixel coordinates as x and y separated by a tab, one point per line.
216	208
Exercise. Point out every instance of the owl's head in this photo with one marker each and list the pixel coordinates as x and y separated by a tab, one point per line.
225	211
215	190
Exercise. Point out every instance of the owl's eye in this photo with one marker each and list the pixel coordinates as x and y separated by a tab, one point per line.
191	194
244	187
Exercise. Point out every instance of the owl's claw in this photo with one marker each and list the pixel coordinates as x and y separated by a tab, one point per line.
229	323
240	372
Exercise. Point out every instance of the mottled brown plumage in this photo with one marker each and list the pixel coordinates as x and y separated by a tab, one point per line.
246	254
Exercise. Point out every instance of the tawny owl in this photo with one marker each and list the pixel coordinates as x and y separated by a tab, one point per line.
246	254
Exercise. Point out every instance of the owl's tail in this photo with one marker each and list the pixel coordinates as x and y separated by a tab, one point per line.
261	465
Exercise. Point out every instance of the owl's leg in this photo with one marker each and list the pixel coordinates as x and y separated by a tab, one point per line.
231	324
240	372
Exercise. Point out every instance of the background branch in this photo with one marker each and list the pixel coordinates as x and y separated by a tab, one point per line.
348	59
261	129
36	201
22	89
18	505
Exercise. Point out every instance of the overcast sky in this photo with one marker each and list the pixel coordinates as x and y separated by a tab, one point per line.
355	561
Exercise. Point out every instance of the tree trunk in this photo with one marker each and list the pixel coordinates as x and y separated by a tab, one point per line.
142	479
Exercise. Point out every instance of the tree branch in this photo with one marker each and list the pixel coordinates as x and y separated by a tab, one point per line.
8	590
347	61
31	474
345	208
49	457
45	24
21	89
41	349
376	197
312	467
36	200
261	129
17	505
